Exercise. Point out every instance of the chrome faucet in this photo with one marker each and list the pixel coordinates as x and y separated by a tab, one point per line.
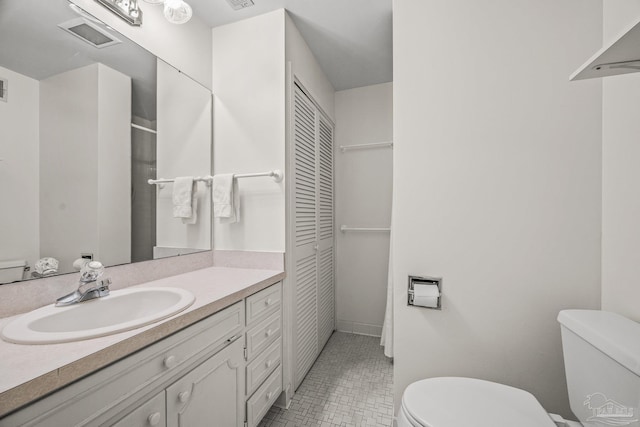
89	287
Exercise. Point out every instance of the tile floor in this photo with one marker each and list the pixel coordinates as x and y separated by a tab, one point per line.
349	385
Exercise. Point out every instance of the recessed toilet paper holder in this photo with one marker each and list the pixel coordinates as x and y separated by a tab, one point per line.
434	301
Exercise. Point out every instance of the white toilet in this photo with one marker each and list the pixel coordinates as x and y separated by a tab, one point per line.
602	363
12	271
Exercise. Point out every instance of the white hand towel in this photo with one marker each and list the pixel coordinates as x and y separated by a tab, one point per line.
194	209
183	197
226	198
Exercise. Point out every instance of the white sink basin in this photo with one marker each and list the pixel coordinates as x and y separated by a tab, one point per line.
120	311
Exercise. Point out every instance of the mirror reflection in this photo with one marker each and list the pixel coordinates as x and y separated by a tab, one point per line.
87	117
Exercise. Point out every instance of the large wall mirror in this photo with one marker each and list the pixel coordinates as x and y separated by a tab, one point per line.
87	117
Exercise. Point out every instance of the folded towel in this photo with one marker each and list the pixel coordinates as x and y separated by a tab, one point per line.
226	198
46	266
194	210
183	197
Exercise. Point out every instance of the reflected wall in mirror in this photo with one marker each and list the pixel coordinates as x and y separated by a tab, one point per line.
87	118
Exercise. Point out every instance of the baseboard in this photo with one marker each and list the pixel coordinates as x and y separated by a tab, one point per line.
359	328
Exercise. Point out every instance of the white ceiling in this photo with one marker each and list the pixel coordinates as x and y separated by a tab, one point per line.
32	44
351	39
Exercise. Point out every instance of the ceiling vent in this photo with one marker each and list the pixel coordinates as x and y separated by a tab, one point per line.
240	4
89	32
4	89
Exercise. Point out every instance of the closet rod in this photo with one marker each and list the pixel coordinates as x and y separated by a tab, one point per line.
365	146
344	228
135	126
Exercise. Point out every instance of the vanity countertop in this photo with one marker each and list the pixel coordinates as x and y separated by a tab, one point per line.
28	372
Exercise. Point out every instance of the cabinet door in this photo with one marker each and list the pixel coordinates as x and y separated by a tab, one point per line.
211	394
150	414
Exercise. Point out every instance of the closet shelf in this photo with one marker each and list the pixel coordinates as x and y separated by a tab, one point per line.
622	56
344	148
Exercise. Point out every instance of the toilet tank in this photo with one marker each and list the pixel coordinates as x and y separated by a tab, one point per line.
12	271
602	364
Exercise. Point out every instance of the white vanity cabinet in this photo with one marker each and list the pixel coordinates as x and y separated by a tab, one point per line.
223	371
193	375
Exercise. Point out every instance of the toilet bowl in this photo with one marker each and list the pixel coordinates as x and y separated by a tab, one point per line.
602	362
12	271
451	401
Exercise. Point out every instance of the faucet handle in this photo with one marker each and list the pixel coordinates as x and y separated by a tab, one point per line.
91	271
104	284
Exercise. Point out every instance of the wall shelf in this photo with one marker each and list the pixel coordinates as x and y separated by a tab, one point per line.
622	56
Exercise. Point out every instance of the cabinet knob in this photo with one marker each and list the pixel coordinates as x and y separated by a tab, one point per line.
269	395
268	333
170	362
268	301
268	364
154	419
184	396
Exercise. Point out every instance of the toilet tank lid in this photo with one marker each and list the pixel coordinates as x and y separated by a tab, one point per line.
614	335
13	263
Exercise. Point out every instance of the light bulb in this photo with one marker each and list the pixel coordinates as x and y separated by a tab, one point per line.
177	11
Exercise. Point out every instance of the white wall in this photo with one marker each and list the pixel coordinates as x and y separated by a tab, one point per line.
363	199
307	70
249	127
497	167
620	175
19	172
85	114
183	149
187	46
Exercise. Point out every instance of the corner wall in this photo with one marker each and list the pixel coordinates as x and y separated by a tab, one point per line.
19	166
621	175
363	199
249	128
497	187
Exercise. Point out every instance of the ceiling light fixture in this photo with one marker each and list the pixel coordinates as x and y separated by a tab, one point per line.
176	11
125	9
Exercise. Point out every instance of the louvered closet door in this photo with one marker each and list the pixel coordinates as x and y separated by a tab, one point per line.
305	231
326	295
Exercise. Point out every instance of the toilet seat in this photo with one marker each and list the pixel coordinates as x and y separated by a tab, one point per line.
455	402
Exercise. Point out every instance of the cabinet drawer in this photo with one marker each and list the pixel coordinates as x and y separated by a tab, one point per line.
264	364
261	336
261	401
214	331
151	414
266	301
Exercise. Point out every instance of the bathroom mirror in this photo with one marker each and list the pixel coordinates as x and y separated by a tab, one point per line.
87	117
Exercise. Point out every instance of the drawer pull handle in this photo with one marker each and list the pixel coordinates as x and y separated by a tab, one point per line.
269	395
268	364
268	301
170	362
154	419
183	396
268	333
